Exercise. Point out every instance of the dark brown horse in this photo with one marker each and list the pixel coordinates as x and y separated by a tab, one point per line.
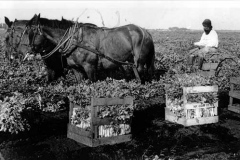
16	41
86	47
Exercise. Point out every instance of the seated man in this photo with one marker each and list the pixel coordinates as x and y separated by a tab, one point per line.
208	43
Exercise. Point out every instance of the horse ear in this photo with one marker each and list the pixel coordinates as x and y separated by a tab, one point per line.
38	19
39	16
8	22
30	22
34	20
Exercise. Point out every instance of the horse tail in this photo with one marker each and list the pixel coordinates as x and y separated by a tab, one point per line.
151	58
150	64
143	51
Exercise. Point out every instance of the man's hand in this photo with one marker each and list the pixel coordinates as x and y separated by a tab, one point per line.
197	44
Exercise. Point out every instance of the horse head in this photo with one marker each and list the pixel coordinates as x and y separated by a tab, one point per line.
44	36
7	39
35	35
16	41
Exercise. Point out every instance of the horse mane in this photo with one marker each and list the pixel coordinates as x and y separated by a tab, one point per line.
88	25
20	22
54	23
63	24
93	26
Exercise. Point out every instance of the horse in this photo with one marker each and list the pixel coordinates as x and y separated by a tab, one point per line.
17	44
16	41
85	47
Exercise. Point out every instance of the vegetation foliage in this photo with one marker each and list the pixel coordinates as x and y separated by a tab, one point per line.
24	90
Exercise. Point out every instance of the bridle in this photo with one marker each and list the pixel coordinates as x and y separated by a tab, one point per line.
35	33
66	39
12	46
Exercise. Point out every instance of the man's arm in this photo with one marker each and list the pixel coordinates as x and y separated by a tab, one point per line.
201	43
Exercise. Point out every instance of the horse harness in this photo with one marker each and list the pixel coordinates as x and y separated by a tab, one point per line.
67	40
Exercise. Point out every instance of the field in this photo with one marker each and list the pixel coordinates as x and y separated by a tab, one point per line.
44	135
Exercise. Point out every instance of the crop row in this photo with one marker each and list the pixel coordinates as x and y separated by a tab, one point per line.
23	84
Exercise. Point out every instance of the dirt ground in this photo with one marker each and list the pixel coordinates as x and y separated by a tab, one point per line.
152	136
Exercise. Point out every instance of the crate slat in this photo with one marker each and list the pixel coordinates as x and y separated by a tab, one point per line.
207	73
200	105
111	140
199	89
80	139
209	66
111	101
201	121
170	116
105	121
235	109
79	131
235	80
234	94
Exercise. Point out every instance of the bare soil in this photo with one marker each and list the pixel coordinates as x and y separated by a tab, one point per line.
152	136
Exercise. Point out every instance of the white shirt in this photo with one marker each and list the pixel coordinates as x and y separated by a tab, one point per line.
210	40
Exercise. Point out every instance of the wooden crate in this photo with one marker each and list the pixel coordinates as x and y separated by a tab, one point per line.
197	107
92	137
209	66
233	93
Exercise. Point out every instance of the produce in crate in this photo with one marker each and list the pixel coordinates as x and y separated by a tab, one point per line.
113	130
174	95
81	117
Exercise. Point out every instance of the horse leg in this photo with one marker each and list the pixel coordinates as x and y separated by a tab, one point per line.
90	71
78	75
121	68
51	75
150	65
140	70
139	66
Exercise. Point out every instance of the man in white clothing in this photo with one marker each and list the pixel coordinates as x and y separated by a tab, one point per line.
208	43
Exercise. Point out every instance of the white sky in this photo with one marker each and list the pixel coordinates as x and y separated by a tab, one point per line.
147	14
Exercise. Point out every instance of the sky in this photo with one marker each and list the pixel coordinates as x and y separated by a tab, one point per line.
225	15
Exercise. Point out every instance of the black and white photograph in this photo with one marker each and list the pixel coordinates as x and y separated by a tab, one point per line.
120	80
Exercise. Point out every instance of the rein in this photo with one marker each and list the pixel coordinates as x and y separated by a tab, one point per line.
104	56
70	32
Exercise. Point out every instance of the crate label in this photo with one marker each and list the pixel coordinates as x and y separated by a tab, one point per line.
202	105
